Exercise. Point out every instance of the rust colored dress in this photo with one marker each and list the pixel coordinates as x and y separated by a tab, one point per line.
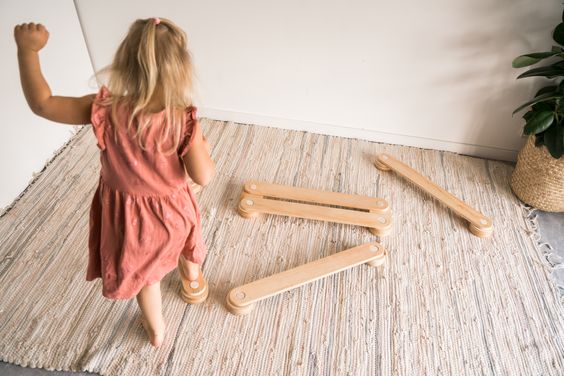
143	214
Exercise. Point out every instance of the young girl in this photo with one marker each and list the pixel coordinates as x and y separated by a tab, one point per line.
144	220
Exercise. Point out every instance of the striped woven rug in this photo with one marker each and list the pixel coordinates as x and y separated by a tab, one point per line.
444	303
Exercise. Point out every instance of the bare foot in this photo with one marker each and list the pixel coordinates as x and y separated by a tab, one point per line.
156	336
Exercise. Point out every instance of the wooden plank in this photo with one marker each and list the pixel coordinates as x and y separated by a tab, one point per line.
479	224
251	205
241	300
373	204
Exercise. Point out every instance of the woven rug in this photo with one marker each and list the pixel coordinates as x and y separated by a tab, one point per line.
444	303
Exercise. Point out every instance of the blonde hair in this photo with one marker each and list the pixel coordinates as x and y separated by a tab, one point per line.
152	59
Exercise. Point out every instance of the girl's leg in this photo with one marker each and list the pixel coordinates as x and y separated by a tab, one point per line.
189	268
149	300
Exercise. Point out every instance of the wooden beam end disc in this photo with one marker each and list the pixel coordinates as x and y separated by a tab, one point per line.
481	232
380	163
234	307
251	187
383	227
245	207
378	261
482	227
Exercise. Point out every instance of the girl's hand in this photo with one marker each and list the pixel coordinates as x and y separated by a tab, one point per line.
198	162
30	36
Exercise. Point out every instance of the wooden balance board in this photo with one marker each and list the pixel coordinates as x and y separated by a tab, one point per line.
478	224
241	300
371	212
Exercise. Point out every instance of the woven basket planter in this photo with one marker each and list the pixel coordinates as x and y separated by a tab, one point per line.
538	178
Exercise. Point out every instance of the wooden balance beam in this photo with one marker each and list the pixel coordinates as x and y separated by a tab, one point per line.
241	300
371	212
478	224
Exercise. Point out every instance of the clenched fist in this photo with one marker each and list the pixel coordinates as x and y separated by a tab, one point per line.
31	36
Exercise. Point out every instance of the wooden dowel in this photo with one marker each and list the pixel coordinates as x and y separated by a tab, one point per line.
478	224
379	223
277	199
242	300
373	204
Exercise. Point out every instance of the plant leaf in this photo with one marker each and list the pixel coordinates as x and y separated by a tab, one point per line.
557	49
544	106
553	140
548	71
558	34
541	98
546	89
560	87
539	122
530	59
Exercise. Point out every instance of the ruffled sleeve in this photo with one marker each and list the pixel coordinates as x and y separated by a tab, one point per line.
191	126
99	117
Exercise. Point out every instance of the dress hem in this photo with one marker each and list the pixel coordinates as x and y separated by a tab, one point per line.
143	284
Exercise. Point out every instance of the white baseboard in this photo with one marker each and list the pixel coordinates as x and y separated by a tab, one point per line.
363	134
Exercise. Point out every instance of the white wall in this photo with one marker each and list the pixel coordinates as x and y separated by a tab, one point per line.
27	141
434	74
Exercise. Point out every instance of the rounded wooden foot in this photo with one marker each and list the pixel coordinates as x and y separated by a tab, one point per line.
384	228
481	232
379	165
237	310
383	206
379	231
194	300
378	261
243	212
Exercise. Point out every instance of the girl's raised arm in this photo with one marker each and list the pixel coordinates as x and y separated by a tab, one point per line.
31	38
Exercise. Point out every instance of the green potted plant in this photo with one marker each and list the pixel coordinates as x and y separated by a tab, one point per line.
538	178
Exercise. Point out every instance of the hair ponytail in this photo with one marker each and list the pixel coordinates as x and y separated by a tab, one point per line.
147	62
152	57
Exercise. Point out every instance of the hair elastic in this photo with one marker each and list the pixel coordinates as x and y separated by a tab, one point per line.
157	20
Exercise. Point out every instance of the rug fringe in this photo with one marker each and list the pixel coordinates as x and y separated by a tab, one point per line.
545	248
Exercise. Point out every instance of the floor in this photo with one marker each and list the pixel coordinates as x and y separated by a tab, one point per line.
552	231
551	227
